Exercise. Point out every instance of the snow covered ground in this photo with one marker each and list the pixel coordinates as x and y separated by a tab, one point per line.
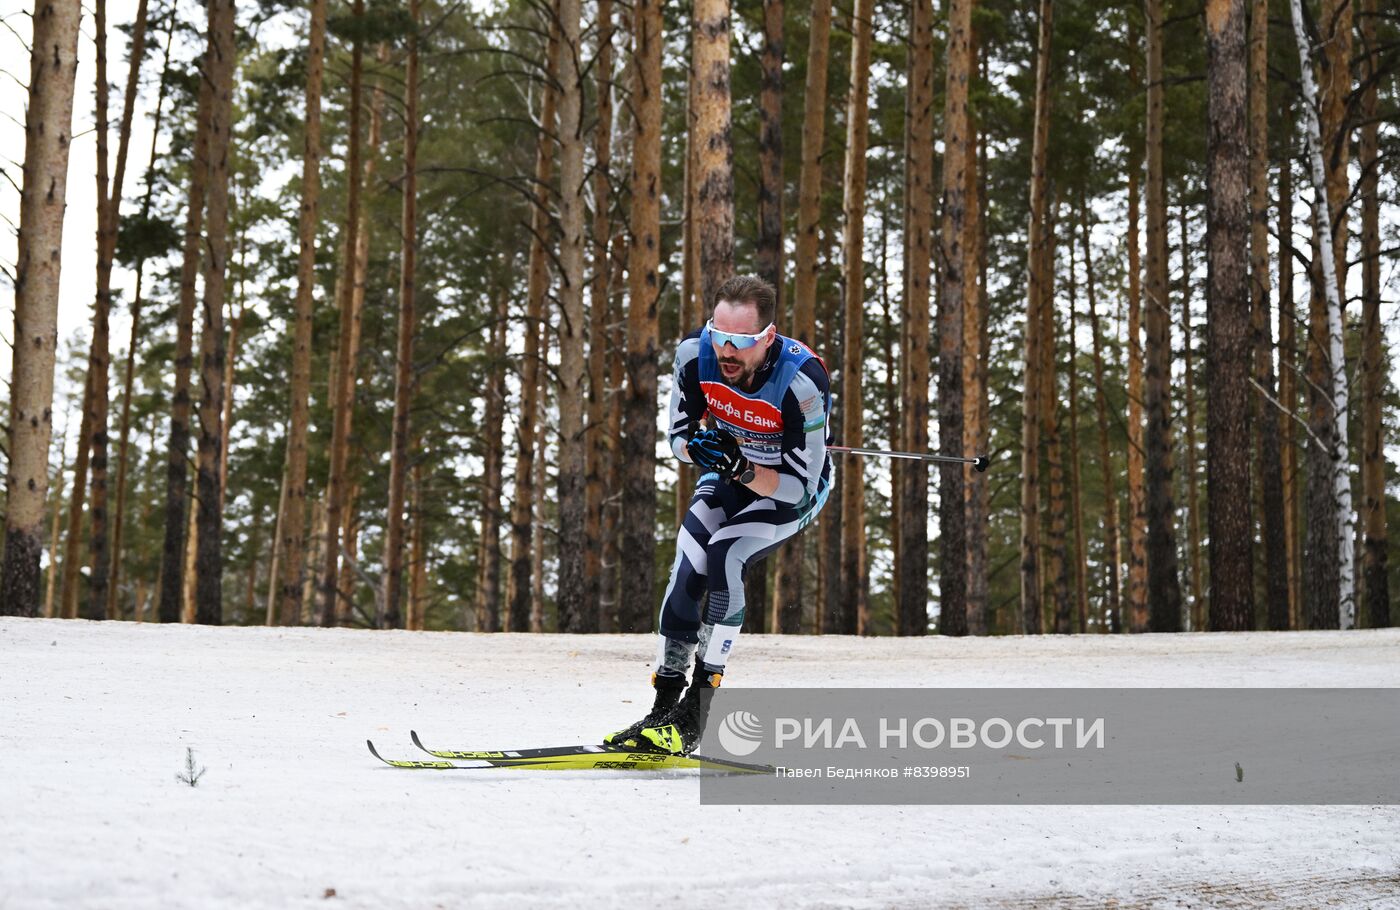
95	720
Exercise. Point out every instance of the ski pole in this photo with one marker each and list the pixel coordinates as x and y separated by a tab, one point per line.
980	462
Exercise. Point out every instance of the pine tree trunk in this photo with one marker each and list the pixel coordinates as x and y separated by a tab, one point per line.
1228	336
101	592
692	308
176	479
769	252
274	576
99	354
77	500
1163	584
1273	526
609	578
128	385
638	462
853	552
350	518
220	60
538	619
598	319
574	616
714	160
521	523
956	279
1375	578
1136	603
1031	408
1197	607
809	192
488	592
1056	558
787	592
294	528
48	130
392	615
1113	547
1076	505
187	572
911	546
1330	605
977	348
55	527
418	570
342	377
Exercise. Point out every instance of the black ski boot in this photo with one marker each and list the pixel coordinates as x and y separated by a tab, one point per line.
679	731
668	693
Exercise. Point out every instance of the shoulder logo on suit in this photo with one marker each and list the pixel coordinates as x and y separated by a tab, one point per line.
795	348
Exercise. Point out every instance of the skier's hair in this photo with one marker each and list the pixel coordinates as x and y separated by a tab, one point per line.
750	290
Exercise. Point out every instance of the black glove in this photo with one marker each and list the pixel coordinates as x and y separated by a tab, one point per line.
717	450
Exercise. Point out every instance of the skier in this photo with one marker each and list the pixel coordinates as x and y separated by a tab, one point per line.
766	474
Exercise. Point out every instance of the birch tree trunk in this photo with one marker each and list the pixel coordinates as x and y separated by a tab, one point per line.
392	616
220	60
1163	584
853	552
1034	357
636	593
912	479
521	524
1336	441
956	278
574	616
1228	336
1273	526
1375	578
48	131
1287	365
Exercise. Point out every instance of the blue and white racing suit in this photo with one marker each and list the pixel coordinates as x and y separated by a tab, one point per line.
782	425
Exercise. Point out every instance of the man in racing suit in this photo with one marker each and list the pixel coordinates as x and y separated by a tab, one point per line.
765	474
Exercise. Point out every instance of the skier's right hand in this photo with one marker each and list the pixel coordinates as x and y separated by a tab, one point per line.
717	450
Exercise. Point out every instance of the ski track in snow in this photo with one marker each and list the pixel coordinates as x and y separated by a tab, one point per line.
95	719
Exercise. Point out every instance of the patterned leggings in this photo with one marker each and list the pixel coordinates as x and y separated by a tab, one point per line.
727	527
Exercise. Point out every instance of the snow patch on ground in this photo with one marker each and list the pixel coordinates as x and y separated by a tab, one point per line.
95	719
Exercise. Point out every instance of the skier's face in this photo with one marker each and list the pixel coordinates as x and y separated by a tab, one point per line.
735	365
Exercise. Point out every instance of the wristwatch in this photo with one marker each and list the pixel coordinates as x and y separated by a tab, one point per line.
747	476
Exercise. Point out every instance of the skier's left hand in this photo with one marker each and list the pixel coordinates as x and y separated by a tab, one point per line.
717	450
